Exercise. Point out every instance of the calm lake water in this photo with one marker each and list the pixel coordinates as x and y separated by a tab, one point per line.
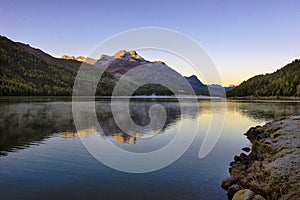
42	156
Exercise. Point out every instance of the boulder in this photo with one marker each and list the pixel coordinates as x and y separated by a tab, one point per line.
244	194
228	181
243	156
246	149
258	197
232	190
237	158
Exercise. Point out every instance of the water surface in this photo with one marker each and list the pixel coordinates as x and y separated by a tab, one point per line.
42	156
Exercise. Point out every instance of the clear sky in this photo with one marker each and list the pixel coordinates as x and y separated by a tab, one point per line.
243	38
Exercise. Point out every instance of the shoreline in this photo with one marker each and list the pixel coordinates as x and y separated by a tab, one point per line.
70	98
265	98
157	97
270	168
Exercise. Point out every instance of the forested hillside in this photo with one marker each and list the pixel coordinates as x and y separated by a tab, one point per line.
283	82
25	71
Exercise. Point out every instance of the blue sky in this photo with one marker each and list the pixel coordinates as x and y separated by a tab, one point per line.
243	38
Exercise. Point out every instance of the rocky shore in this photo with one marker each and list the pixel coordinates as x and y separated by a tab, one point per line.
270	169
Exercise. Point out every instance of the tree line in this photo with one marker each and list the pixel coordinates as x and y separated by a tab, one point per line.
283	82
31	72
25	71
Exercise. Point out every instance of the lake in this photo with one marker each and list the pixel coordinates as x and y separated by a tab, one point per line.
43	157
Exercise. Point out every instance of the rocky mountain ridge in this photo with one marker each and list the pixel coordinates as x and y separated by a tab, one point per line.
80	59
30	71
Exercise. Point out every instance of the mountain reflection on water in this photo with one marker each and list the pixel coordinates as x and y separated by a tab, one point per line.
119	137
27	123
23	124
139	114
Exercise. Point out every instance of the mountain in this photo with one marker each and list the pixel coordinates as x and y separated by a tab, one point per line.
140	71
210	90
231	87
197	85
27	71
122	62
87	60
283	82
228	88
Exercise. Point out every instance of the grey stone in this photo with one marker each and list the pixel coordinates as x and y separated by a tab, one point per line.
246	149
228	181
244	194
232	190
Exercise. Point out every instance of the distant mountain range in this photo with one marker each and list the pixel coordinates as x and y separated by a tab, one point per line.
27	71
80	59
123	61
283	82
